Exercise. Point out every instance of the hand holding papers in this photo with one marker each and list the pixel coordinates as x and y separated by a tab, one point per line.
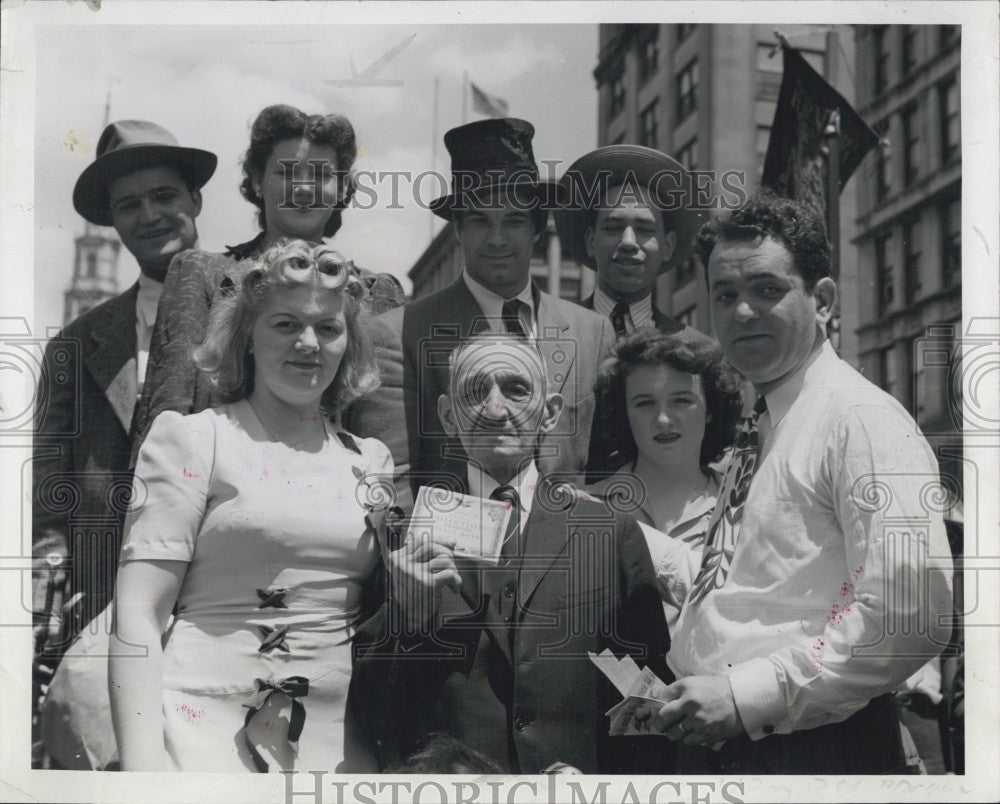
644	694
475	526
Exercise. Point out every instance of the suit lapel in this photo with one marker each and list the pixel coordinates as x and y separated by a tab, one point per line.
546	536
112	363
553	330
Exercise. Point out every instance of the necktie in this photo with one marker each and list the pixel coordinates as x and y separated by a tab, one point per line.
512	319
509	495
618	319
724	526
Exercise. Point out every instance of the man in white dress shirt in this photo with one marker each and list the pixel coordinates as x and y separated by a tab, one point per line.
148	187
825	571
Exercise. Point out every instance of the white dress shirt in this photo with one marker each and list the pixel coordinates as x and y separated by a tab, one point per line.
483	485
841	566
640	313
492	306
145	319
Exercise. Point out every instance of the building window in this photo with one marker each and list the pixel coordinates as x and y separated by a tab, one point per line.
91	265
685	272
617	92
684	30
649	52
687	87
769	57
880	73
687	155
911	260
910	33
948	35
883	174
689	317
951	121
911	145
883	273
763	140
647	125
951	242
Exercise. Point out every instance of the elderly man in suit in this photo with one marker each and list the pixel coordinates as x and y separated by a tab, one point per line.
628	214
498	209
149	188
503	664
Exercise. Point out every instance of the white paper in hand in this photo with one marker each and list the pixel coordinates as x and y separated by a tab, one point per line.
476	526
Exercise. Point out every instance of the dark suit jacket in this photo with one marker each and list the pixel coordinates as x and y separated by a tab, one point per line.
81	475
505	669
414	343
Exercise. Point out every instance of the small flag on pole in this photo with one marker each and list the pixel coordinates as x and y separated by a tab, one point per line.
795	165
487	104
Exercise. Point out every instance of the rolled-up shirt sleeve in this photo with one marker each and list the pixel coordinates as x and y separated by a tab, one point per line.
885	490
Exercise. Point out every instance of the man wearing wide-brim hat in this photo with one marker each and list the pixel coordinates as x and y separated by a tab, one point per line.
499	208
146	185
627	213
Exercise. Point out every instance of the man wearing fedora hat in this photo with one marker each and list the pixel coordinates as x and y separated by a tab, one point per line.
499	209
628	215
145	185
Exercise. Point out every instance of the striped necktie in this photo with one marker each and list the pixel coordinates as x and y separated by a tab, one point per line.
724	526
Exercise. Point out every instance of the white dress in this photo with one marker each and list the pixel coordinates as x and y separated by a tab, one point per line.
278	545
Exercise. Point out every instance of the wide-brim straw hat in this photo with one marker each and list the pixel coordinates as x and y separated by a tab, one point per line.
586	183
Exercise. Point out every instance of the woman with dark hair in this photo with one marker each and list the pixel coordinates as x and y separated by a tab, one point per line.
257	523
297	172
673	407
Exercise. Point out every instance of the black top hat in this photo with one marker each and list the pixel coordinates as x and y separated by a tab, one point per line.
127	146
587	180
489	155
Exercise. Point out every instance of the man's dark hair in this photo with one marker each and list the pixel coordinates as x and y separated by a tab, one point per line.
282	122
647	346
441	753
788	222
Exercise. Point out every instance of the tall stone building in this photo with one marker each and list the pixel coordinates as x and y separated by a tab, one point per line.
706	95
95	272
909	224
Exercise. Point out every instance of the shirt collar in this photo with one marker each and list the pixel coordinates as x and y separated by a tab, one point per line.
482	485
147	300
640	311
780	400
492	303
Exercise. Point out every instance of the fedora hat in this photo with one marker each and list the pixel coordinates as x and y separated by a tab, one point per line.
488	155
129	145
586	183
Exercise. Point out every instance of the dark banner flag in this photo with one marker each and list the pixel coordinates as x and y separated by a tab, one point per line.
795	165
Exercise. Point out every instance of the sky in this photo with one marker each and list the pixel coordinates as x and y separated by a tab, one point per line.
206	84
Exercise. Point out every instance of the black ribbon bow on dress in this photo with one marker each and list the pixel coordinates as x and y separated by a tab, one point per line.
294	687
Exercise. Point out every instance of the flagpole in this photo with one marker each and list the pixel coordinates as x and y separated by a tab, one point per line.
434	128
465	97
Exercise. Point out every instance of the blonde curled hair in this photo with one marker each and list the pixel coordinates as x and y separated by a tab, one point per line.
225	355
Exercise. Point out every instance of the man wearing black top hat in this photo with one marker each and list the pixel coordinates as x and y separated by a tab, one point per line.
627	214
498	208
145	185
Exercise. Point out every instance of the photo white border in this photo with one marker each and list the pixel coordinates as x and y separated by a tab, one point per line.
24	23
